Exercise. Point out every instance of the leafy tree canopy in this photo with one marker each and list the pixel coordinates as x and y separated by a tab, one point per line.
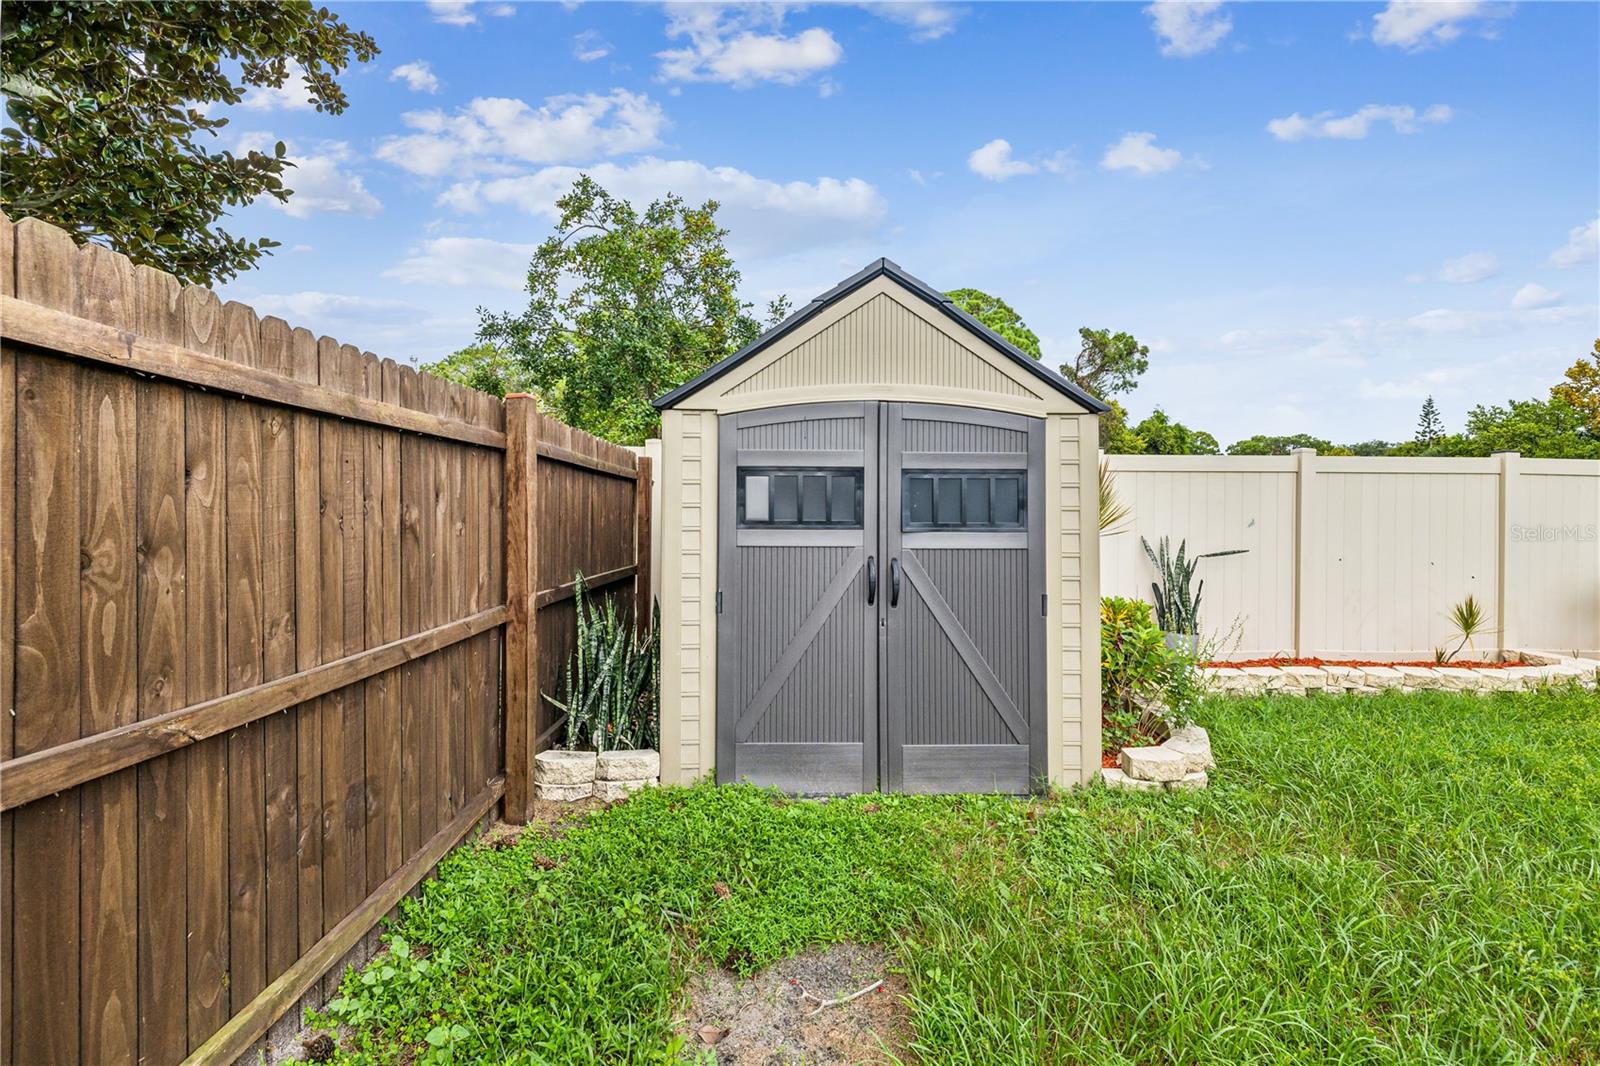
998	316
1539	429
106	102
623	306
1261	444
1160	435
1107	363
483	367
1581	389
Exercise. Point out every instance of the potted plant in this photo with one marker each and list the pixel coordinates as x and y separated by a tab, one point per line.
1177	610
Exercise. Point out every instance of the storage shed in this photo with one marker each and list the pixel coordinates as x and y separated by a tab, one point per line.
879	565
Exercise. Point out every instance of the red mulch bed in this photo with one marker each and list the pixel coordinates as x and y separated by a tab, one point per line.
1279	661
1111	760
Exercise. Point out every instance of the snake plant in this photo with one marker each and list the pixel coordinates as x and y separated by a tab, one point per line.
611	691
1176	610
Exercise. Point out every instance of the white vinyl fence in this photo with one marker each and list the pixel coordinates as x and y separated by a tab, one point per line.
1364	557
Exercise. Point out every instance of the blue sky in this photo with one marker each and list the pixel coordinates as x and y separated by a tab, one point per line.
1314	214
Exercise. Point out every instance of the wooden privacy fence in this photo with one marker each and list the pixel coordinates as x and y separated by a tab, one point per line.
254	584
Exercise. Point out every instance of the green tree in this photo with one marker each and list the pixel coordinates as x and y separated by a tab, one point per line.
1115	436
998	316
1261	444
1539	429
1581	389
623	306
483	367
1430	427
1161	435
1371	447
1107	363
106	104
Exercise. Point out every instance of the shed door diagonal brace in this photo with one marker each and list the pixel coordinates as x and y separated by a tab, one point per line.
962	641
838	585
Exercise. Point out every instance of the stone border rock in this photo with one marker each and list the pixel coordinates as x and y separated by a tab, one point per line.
1179	762
1547	669
570	776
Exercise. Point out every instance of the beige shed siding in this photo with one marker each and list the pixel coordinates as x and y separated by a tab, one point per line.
688	623
879	343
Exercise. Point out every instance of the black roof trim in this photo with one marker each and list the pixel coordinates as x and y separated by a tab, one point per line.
878	268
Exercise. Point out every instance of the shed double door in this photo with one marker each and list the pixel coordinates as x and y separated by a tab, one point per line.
880	603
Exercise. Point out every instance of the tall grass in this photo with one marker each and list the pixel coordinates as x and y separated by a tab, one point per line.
1410	878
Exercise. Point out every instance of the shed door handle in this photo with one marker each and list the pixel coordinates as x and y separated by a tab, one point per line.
872	580
894	582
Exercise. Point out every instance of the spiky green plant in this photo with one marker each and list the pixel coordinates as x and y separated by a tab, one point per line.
1113	508
1176	610
611	691
1469	618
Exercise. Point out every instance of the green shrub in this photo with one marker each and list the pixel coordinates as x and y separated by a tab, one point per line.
1134	665
611	691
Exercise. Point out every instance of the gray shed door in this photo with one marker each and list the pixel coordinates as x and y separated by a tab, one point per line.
880	584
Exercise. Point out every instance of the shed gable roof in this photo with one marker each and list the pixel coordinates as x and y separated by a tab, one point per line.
885	268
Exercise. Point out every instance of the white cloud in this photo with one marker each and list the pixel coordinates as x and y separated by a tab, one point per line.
490	132
917	176
1532	296
319	179
1444	320
293	95
315	305
465	12
1189	27
764	217
927	21
1583	246
1418	24
1354	127
1469	268
1138	152
994	161
474	261
589	46
743	45
418	76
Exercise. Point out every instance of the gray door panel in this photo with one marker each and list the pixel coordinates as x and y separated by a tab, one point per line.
797	666
820	691
964	644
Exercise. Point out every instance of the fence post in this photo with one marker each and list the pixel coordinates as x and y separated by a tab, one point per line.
642	600
1305	470
1504	631
522	586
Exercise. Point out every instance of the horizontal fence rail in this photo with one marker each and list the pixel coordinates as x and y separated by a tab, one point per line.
1363	557
252	647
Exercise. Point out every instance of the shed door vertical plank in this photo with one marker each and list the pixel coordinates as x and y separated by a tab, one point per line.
308	507
106	434
205	438
247	796
162	639
278	656
45	905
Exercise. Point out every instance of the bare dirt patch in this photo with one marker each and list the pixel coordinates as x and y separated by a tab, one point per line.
776	1018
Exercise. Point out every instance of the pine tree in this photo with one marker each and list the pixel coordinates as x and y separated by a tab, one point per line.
1430	427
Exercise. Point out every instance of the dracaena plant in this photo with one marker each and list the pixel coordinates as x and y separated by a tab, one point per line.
1178	609
611	691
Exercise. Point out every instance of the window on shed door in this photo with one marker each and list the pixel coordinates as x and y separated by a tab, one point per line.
795	498
963	500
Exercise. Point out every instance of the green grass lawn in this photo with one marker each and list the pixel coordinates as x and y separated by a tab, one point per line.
1401	878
